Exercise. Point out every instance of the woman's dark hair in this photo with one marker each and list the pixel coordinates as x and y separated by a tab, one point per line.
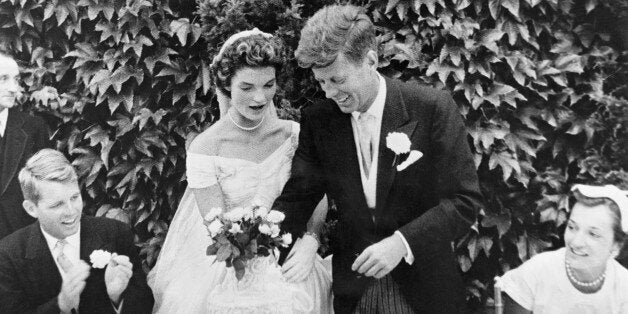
255	51
619	236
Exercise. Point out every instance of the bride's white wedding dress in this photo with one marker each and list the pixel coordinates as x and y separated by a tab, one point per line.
186	280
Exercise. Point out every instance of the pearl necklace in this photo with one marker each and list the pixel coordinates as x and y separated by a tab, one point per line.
243	127
590	284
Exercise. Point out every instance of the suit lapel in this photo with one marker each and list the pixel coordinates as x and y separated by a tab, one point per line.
14	148
42	271
90	239
394	119
343	142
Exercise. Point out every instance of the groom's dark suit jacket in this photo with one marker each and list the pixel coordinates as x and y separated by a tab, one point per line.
30	280
432	202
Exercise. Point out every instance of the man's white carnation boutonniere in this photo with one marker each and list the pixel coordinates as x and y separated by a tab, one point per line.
100	258
399	143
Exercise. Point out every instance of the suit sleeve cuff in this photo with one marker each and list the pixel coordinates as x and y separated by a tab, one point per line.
409	256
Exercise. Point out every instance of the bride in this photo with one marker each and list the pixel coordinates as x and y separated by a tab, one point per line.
243	159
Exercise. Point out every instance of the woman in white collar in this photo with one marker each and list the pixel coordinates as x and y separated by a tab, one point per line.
582	277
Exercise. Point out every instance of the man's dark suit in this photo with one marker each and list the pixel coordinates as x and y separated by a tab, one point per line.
23	136
30	280
432	202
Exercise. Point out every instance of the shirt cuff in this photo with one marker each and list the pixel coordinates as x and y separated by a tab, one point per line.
409	257
119	309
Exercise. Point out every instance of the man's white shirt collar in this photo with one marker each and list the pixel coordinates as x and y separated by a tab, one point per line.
4	117
377	108
73	240
72	249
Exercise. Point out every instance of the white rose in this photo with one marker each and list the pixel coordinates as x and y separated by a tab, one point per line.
286	239
99	258
274	231
235	214
275	216
261	212
265	229
248	214
235	229
213	213
214	227
398	142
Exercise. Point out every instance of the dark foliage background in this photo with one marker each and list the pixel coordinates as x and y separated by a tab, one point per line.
541	84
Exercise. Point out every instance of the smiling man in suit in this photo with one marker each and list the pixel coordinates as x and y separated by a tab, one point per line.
399	210
21	135
43	266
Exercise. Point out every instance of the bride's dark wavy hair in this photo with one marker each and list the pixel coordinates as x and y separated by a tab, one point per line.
254	51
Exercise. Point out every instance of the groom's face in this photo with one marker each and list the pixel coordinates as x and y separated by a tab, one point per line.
58	209
353	86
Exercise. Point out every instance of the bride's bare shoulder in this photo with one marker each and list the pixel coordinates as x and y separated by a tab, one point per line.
207	142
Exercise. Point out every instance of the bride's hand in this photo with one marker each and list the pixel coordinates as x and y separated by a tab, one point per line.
300	261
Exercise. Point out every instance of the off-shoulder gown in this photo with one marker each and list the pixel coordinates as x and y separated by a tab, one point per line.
185	279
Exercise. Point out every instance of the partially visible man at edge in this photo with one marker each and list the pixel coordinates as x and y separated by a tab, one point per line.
21	135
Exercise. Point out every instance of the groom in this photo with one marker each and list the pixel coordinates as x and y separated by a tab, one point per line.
43	266
398	213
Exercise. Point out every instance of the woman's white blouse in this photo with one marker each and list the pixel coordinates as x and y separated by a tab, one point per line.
541	286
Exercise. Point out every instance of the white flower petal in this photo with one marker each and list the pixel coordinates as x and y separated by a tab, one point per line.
412	158
398	142
99	258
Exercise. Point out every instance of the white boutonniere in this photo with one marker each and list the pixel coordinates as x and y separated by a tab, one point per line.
399	143
100	258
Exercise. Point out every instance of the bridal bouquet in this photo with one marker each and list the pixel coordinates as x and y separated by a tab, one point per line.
242	234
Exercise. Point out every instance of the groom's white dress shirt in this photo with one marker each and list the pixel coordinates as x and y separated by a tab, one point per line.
369	184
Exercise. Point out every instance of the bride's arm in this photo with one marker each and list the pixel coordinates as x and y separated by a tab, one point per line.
205	188
300	261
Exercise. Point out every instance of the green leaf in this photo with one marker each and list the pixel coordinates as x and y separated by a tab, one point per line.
212	249
495	7
512	6
590	5
391	5
181	28
569	63
465	263
507	161
501	221
224	252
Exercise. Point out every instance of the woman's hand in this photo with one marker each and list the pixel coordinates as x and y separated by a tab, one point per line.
300	261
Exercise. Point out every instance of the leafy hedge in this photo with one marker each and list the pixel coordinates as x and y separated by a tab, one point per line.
539	82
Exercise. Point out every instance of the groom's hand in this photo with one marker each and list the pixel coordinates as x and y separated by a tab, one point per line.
72	287
117	276
380	258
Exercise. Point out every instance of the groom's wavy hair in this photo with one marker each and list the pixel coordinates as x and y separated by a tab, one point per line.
334	30
254	51
46	165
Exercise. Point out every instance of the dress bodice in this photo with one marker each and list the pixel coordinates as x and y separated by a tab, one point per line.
244	182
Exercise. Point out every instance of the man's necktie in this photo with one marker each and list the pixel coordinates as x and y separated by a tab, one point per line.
62	259
365	134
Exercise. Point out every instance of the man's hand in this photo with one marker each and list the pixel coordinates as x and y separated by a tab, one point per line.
300	261
380	258
72	286
117	276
